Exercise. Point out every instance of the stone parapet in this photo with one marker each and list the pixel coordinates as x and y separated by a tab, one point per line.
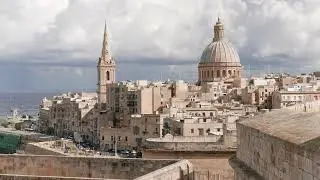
191	144
179	170
83	167
22	177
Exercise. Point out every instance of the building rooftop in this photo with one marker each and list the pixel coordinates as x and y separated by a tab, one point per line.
295	127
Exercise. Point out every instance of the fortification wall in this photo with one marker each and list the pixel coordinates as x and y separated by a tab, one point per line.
173	171
185	143
21	177
187	146
272	158
85	167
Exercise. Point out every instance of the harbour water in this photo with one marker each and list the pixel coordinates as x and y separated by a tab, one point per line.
26	103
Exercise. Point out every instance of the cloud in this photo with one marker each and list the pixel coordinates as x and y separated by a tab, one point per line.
159	32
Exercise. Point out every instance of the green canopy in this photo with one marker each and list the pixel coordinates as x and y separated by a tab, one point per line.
9	143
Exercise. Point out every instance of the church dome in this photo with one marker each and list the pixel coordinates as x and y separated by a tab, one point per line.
219	60
220	51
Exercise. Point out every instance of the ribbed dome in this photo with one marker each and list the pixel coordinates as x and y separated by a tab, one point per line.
220	52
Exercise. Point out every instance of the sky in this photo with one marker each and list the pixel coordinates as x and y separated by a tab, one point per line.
54	45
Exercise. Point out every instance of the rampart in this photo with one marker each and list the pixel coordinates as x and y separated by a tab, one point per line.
192	144
62	167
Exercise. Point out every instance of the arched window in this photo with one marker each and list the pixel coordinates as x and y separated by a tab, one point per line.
224	73
108	75
212	74
234	72
229	72
238	73
218	73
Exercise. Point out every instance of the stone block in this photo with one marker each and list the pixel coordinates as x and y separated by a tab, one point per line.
307	176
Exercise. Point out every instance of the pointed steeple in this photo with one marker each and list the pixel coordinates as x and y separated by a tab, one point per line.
218	30
105	53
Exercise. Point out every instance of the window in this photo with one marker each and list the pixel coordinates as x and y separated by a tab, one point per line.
224	73
204	114
204	120
211	114
102	138
119	138
126	138
201	133
111	138
192	130
136	130
108	75
218	129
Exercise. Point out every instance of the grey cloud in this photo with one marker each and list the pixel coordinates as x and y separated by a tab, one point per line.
154	35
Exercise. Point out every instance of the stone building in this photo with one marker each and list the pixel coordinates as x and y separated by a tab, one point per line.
44	116
141	127
281	99
71	113
278	145
258	95
194	126
220	60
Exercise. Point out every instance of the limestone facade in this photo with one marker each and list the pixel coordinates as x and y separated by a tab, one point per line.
282	99
72	113
259	95
140	128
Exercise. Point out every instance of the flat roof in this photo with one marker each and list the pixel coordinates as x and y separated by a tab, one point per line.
292	126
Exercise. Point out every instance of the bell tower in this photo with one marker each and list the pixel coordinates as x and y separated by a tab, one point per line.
106	71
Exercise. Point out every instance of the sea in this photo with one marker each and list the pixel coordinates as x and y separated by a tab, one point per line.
25	103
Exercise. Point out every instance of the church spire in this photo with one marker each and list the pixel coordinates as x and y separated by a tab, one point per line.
105	54
218	30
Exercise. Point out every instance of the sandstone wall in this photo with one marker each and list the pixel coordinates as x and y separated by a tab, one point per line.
178	170
86	167
34	148
206	165
273	158
21	177
187	144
